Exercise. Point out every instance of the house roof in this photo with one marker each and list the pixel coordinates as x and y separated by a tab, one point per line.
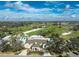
35	45
7	38
1	41
38	41
38	37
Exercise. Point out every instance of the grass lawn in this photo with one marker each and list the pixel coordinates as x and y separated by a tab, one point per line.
7	53
48	30
72	35
35	53
14	30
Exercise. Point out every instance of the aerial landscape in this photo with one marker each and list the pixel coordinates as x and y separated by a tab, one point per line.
39	28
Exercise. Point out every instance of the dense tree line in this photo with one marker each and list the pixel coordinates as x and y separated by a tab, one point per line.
61	47
12	45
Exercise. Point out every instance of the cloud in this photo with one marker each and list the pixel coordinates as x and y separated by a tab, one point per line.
54	3
32	13
73	15
18	5
9	15
57	4
8	4
26	7
67	6
77	5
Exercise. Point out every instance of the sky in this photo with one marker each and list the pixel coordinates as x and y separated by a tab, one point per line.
39	10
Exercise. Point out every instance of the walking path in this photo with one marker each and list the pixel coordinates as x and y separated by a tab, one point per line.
23	52
32	30
8	36
66	33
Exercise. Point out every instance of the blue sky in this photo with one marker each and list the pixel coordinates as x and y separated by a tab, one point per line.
39	10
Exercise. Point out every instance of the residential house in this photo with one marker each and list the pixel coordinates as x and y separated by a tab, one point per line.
23	38
36	43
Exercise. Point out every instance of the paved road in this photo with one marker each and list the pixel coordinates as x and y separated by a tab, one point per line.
8	36
32	30
66	33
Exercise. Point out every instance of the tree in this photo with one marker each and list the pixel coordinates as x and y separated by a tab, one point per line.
76	27
56	46
75	43
16	44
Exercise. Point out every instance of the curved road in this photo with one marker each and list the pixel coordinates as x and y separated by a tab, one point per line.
32	30
8	36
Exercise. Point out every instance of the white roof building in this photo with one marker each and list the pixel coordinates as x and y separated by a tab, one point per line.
7	38
38	37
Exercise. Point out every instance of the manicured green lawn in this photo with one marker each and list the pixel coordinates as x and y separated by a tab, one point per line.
52	29
72	35
13	30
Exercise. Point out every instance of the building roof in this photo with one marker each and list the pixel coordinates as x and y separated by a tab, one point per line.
35	45
1	41
7	38
36	37
38	41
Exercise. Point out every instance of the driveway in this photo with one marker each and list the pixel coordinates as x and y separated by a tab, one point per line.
23	52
